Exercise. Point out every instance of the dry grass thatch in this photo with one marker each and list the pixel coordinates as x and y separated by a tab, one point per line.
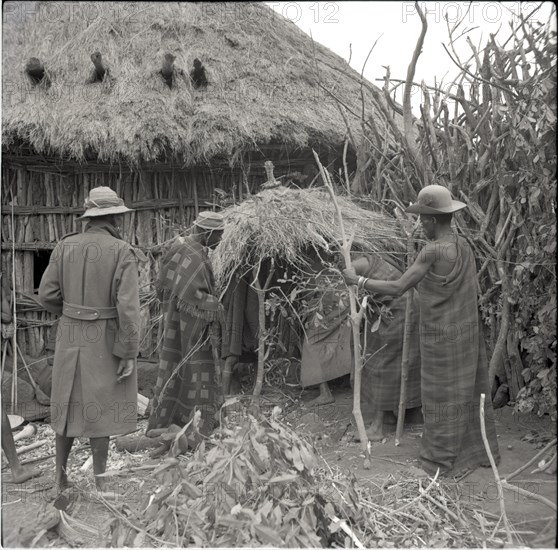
262	83
283	223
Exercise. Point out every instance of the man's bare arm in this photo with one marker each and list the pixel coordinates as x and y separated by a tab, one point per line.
409	279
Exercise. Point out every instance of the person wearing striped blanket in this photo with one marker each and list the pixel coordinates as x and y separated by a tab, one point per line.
186	288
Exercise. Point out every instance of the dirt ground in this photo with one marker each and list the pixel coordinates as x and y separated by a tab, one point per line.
520	437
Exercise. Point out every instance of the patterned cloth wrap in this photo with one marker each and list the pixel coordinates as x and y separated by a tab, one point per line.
327	351
327	341
381	374
454	370
186	276
186	376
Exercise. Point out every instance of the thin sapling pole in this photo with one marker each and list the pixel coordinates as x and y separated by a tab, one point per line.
14	316
356	316
406	344
260	291
495	471
215	332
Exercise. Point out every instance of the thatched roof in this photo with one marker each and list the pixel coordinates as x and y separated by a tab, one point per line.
263	85
284	224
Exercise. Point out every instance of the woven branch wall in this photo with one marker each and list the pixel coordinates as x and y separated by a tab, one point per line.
41	200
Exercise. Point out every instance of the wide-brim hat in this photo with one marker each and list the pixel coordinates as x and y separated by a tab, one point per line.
435	199
210	221
103	201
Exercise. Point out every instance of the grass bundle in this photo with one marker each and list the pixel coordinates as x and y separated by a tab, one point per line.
283	223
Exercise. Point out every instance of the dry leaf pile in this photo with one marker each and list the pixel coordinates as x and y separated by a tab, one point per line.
258	483
250	485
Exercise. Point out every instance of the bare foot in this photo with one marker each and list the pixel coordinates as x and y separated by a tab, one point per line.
21	475
390	418
325	397
373	437
60	487
417	472
375	430
321	400
374	434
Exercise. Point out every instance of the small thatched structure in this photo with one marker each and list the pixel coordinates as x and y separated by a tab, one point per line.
166	150
274	245
283	224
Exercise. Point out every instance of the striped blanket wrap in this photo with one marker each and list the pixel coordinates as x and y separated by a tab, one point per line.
186	375
454	370
327	351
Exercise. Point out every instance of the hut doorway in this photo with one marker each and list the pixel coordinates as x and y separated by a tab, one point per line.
40	263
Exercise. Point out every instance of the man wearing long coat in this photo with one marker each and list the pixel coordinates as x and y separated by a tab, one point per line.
92	282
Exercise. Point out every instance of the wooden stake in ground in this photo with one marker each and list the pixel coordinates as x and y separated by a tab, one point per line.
14	317
215	335
260	291
495	470
406	344
356	316
271	183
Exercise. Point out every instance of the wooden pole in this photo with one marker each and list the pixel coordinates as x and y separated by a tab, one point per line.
260	291
356	316
495	471
14	319
215	337
404	370
4	352
196	202
406	345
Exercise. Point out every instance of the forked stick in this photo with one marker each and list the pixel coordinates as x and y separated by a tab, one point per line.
260	291
356	316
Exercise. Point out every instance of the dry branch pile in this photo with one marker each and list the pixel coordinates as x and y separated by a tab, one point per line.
489	136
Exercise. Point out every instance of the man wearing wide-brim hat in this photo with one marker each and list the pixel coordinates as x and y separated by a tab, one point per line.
454	366
92	283
186	378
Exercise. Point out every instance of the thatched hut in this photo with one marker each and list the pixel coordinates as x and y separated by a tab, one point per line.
168	150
